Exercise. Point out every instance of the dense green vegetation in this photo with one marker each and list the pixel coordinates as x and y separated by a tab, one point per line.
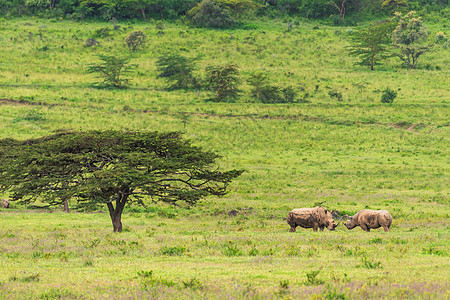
338	144
220	13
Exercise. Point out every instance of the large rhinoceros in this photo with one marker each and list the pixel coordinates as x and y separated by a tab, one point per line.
317	217
370	219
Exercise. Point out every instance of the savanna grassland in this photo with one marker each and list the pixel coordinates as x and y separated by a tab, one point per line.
346	154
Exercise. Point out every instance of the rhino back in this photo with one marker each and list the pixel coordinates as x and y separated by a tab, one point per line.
375	218
304	217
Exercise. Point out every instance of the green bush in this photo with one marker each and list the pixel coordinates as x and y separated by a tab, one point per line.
231	249
173	251
265	92
388	96
336	94
103	32
311	278
135	40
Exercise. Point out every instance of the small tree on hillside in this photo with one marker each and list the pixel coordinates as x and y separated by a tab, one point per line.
410	38
135	40
371	43
112	168
223	81
178	71
112	70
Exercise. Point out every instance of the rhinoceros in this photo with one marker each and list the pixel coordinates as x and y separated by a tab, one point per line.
317	217
370	219
4	203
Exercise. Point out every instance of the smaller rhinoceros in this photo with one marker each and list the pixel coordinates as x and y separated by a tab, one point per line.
4	203
370	219
317	217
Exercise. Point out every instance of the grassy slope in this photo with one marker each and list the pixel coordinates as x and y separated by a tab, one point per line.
352	154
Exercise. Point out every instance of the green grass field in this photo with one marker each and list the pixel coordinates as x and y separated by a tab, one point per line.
349	155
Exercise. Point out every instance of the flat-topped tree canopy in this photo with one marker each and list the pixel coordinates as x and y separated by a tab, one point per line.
103	167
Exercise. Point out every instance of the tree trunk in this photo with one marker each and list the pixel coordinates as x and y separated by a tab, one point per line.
116	213
66	206
117	222
143	14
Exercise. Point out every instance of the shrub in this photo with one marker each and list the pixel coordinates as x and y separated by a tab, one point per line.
173	251
289	94
178	70
253	251
231	249
25	278
336	94
388	96
135	40
32	116
371	264
440	38
103	32
147	280
311	278
91	43
431	250
284	284
333	293
193	283
376	241
265	92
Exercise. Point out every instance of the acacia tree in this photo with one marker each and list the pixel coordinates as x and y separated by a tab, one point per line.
371	43
112	168
178	70
112	70
223	81
410	38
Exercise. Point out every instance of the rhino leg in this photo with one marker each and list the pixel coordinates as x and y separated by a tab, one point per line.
322	228
292	229
315	227
365	228
386	229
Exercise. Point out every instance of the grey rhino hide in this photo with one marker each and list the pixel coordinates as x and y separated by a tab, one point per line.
315	218
370	219
4	203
